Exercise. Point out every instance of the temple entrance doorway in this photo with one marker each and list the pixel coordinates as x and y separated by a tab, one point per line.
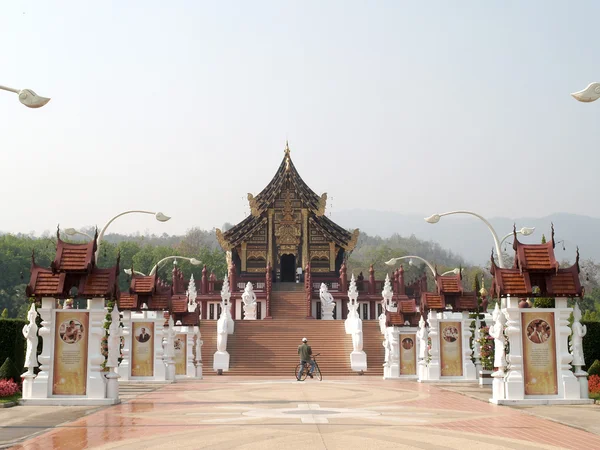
288	268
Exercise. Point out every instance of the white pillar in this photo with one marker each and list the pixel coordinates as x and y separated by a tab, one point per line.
198	353
96	385
570	385
124	368
433	368
469	372
159	364
514	380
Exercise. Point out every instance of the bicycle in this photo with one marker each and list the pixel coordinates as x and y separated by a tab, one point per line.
306	370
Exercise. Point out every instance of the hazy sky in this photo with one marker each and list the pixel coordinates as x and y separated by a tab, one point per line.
184	107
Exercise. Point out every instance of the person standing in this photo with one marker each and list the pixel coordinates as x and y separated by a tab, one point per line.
305	352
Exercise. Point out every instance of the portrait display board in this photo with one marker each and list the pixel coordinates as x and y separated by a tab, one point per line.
539	353
181	354
70	353
142	349
451	348
408	354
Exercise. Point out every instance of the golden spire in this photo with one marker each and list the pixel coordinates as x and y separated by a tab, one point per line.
287	156
287	149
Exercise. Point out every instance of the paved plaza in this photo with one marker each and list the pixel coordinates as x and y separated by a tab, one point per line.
255	413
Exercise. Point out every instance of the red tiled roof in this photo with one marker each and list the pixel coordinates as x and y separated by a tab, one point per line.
127	301
450	284
535	257
73	257
467	302
179	304
142	285
395	318
408	306
159	302
432	301
189	319
99	283
565	283
43	282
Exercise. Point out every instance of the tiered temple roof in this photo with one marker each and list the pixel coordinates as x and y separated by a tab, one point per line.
536	273
74	266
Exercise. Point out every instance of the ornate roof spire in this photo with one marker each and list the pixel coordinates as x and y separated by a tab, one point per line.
287	149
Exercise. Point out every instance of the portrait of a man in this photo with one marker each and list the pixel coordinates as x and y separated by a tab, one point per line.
143	336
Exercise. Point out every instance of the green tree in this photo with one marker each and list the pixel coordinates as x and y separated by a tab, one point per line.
4	313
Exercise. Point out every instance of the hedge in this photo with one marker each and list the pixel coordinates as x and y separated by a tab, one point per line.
591	342
12	342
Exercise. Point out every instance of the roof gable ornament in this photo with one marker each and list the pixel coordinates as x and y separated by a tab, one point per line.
254	209
322	204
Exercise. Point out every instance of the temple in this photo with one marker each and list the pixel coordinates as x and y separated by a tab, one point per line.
287	229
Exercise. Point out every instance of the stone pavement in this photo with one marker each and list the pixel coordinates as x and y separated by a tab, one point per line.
348	413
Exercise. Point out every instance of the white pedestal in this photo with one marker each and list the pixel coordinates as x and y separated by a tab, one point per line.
485	378
112	386
358	361
27	384
221	361
582	378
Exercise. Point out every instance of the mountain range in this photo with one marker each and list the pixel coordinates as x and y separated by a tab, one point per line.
470	238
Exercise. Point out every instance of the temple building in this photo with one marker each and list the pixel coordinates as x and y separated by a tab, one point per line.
287	229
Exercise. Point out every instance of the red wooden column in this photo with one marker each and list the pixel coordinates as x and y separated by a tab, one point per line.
401	287
372	290
308	291
204	281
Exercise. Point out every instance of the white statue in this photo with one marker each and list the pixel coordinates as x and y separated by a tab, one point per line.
497	332
382	322
222	333
351	321
388	349
327	303
30	332
114	339
579	331
171	335
192	294
249	299
197	348
423	336
387	294
357	340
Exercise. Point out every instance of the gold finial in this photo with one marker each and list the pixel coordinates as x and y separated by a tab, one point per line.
287	148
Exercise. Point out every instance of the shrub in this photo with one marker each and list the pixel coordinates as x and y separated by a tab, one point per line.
543	302
8	370
8	388
594	384
594	368
591	343
486	345
12	342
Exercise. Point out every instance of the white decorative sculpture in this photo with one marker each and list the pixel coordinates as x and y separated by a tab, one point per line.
388	294
198	353
477	346
579	331
327	303
30	332
249	299
353	326
169	334
114	339
422	335
392	368
224	327
433	366
497	332
192	294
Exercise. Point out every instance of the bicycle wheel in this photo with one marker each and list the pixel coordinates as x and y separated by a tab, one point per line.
317	372
302	376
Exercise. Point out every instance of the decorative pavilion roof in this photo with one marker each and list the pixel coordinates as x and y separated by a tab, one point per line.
432	300
128	302
188	319
449	284
258	206
142	284
44	283
535	257
74	258
100	283
520	283
179	304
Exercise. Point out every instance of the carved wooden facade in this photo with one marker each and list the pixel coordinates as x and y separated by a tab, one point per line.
288	228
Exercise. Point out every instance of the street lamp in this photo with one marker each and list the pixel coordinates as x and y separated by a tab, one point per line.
589	94
393	261
28	97
193	261
525	231
72	231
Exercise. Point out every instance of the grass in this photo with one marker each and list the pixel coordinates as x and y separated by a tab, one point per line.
595	396
12	398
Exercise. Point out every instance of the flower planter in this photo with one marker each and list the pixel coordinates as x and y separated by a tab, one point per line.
485	377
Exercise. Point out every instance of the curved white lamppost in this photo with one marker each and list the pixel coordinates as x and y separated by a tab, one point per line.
525	231
72	231
590	94
193	261
393	261
27	97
